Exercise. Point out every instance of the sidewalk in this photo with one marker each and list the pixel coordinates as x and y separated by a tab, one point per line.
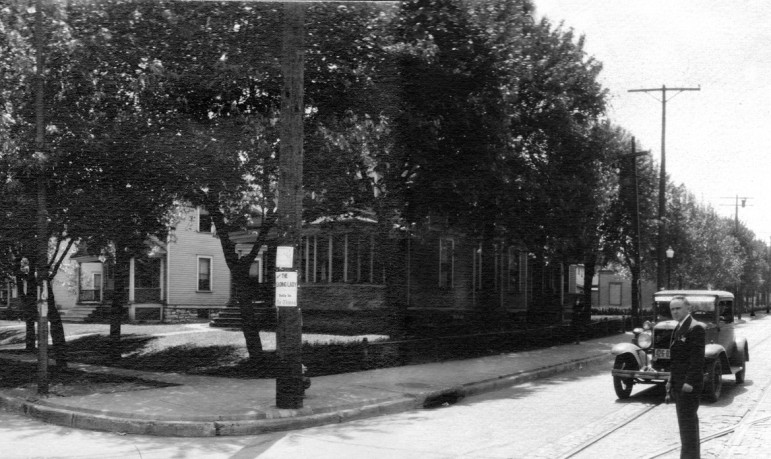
203	406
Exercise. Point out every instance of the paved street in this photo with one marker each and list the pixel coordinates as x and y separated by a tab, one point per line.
571	415
22	437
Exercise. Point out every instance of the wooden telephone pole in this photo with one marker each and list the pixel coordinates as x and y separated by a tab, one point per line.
41	265
289	384
661	246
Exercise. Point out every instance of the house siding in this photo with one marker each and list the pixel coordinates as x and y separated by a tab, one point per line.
65	283
185	246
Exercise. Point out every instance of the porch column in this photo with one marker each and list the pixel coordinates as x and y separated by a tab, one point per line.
162	284
345	258
329	259
132	311
79	274
131	281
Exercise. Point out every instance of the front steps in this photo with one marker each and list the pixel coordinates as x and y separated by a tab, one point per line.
79	314
229	317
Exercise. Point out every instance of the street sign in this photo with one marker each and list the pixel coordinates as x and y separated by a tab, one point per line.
286	288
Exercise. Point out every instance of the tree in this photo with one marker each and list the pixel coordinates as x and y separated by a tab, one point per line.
210	97
707	252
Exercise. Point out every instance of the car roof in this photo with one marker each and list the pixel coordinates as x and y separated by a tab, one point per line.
671	293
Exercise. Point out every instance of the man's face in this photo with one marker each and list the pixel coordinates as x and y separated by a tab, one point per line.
678	309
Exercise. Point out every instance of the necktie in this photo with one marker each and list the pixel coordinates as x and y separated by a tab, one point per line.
674	334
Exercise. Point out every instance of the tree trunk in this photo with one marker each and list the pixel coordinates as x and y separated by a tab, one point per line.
116	309
394	258
243	296
29	309
536	307
59	350
590	267
492	315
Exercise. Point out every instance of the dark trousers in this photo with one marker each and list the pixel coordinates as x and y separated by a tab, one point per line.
686	405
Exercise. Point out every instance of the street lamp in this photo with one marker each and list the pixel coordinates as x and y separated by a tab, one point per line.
670	254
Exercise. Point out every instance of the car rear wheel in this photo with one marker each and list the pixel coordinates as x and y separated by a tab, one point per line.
623	386
714	383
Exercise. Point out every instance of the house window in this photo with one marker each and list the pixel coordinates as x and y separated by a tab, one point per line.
478	268
339	250
513	272
204	274
341	258
446	262
255	270
204	221
5	294
614	293
496	268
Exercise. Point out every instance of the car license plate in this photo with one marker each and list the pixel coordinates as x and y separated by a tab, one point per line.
662	353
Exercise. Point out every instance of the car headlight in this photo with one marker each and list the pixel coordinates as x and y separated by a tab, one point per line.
644	340
647	325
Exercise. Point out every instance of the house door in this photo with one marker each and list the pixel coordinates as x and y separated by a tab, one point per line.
97	286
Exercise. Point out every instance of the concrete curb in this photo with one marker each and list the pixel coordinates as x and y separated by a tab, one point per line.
286	419
505	381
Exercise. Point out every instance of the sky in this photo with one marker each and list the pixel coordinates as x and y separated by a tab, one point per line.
718	139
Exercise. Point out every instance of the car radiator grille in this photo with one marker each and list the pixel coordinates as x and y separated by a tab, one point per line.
662	339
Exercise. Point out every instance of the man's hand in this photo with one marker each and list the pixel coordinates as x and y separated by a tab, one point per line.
687	388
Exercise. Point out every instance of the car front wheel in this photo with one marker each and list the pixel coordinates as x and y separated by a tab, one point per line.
714	384
623	386
741	373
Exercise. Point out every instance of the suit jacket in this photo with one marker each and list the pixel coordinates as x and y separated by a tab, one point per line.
687	354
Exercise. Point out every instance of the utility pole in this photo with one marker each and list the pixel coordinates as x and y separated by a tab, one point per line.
661	246
289	384
739	295
637	295
41	266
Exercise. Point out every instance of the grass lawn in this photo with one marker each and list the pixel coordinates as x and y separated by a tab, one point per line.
188	348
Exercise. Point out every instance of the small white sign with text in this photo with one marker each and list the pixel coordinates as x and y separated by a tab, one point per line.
286	288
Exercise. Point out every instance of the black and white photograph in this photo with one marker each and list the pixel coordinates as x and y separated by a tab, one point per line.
385	229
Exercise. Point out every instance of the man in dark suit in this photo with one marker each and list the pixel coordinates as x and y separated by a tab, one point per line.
687	374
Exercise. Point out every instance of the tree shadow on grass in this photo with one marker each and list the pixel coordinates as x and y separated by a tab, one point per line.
218	360
266	366
185	358
95	349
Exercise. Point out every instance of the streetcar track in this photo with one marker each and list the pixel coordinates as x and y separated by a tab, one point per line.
597	438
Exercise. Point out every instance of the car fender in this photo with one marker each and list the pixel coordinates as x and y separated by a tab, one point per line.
629	348
741	346
715	351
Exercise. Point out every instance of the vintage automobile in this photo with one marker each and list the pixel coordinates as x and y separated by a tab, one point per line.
646	359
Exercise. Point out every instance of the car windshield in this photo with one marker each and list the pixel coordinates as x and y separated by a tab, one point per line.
702	307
